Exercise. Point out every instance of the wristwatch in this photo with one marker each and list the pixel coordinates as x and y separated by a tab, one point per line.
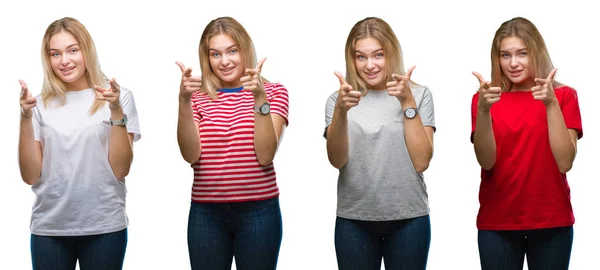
410	112
263	109
121	122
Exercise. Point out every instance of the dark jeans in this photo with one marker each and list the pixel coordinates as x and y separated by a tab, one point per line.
403	244
101	251
249	231
546	249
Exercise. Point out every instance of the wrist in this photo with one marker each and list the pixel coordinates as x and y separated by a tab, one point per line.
552	103
260	98
408	102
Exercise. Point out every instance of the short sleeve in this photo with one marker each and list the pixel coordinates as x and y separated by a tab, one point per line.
474	113
196	108
128	104
279	100
569	105
36	120
426	109
329	108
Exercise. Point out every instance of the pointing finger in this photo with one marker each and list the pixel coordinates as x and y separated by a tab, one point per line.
260	64
479	77
181	66
551	76
409	73
341	78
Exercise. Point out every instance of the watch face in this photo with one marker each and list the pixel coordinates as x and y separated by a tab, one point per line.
410	113
265	108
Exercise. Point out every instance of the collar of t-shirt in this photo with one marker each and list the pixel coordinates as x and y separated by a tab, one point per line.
230	90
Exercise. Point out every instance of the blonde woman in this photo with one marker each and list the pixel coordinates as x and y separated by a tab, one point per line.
231	121
75	150
379	131
525	127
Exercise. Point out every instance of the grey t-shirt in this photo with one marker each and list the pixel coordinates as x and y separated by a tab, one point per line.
379	181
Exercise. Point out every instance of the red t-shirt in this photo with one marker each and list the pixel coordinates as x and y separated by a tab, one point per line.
525	189
228	169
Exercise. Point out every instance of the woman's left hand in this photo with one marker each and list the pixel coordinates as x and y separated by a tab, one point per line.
400	86
253	81
544	90
111	95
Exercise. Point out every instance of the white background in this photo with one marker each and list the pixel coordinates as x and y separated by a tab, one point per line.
304	42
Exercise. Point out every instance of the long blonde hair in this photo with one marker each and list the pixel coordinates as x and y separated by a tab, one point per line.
540	64
53	87
378	29
227	26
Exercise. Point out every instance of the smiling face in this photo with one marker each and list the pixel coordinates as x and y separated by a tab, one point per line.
370	63
226	61
67	61
514	61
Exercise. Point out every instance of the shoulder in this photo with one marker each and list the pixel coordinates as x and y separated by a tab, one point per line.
420	90
274	87
565	90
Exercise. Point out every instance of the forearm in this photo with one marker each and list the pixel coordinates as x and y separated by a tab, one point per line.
265	137
30	154
484	141
337	139
418	144
120	151
563	148
188	135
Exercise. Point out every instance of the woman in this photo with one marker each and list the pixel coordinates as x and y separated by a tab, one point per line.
231	121
75	149
525	128
379	131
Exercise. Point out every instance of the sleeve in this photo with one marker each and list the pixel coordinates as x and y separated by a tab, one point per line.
196	108
474	102
329	108
570	110
36	119
133	123
279	101
426	109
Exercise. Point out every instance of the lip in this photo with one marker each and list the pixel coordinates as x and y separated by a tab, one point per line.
372	75
67	70
515	73
227	71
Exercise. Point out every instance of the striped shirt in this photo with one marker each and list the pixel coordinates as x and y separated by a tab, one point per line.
228	169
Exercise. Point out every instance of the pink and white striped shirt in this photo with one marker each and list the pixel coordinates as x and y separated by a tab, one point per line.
228	169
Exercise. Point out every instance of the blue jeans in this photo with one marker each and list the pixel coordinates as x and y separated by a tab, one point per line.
403	244
547	249
249	231
101	251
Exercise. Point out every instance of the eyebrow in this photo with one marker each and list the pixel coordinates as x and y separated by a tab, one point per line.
518	50
211	49
51	49
375	51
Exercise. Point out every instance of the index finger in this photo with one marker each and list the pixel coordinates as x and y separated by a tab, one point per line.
340	77
24	89
482	81
409	73
551	76
260	64
114	86
181	66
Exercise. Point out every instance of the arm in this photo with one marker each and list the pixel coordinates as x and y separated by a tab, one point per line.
30	152
563	141
188	134
419	139
120	151
337	138
267	132
483	140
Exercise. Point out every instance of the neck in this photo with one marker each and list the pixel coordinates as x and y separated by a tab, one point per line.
523	86
78	85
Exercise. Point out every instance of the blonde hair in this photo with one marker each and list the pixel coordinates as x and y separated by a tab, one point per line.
540	64
223	26
53	87
378	29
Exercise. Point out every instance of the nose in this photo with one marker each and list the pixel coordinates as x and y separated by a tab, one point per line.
514	63
225	60
370	64
64	60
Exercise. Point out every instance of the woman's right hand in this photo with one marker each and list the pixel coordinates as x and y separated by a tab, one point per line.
347	97
487	95
26	100
189	83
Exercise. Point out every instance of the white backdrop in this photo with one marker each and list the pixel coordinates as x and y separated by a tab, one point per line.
304	42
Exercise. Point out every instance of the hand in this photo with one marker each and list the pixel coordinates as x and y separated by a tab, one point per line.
543	89
26	100
347	97
400	87
189	84
111	95
253	81
487	95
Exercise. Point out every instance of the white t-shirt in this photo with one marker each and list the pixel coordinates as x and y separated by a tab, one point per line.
78	193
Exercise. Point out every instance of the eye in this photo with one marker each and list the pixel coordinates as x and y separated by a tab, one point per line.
54	54
523	53
234	51
215	54
74	50
360	57
379	55
504	55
